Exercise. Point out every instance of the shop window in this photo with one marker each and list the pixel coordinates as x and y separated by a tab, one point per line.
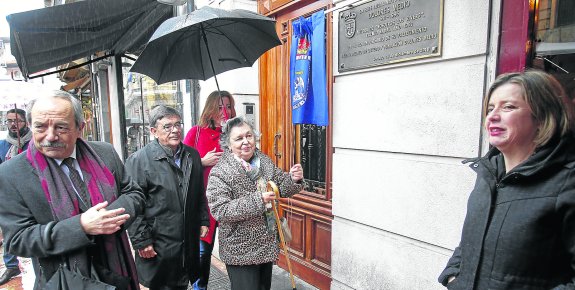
566	12
141	94
555	41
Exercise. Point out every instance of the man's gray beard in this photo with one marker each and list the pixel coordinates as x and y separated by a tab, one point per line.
23	132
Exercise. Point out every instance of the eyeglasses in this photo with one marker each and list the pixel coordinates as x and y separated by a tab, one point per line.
10	121
170	127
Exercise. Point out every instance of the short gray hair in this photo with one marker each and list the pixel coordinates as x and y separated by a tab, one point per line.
58	94
233	123
161	111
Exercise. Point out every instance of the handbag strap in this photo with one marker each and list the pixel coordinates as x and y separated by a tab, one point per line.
197	137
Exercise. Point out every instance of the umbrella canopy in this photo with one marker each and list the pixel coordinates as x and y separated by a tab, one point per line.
204	43
44	38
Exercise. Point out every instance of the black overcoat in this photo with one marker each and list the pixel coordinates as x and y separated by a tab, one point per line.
175	210
519	232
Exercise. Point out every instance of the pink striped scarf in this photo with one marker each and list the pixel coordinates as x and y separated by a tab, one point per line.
115	250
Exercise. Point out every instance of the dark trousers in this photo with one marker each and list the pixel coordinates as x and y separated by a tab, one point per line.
10	261
205	263
253	277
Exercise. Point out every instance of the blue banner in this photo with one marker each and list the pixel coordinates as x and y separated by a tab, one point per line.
308	88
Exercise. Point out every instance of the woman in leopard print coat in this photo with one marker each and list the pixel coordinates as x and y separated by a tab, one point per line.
237	198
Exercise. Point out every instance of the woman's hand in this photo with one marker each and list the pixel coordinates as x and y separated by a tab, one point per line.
268	196
211	158
296	172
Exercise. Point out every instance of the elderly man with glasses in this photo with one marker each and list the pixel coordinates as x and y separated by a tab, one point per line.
19	136
166	237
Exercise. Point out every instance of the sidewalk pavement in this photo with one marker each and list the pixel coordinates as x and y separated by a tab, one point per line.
218	277
280	278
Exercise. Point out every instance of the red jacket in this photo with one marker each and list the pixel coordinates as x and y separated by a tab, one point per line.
207	140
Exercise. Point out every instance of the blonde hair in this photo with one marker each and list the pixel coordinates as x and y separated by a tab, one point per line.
212	108
550	106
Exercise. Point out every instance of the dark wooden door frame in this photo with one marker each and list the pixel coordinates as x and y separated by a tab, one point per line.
309	214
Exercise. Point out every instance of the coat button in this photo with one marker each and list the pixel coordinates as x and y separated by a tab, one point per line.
475	165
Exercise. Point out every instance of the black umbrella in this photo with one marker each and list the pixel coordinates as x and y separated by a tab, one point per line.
204	43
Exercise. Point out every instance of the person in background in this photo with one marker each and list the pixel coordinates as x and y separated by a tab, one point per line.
166	237
205	137
239	201
519	231
19	135
16	142
68	200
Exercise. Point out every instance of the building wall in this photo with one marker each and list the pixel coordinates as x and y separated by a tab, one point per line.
400	132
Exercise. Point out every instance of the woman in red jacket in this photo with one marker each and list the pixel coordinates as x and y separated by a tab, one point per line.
205	137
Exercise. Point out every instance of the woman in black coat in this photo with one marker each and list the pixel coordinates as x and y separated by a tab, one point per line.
519	232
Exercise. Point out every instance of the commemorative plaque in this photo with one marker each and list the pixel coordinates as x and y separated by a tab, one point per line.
381	32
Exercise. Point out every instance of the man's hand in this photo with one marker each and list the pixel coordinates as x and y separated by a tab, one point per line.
204	231
97	220
147	252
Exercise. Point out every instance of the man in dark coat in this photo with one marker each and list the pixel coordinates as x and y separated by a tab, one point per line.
19	136
166	237
67	200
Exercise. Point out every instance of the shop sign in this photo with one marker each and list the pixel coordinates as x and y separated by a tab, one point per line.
382	32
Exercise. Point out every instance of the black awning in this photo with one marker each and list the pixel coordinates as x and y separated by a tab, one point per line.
45	38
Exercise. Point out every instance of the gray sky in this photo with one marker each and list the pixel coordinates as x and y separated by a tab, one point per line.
14	6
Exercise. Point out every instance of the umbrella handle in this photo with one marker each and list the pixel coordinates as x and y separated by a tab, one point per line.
273	187
205	38
209	54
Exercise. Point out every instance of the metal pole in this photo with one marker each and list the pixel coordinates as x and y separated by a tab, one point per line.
142	111
194	84
95	101
117	68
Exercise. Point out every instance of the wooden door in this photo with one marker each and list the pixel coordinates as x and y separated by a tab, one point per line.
309	212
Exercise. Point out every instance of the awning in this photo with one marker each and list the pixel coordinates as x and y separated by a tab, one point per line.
554	48
45	38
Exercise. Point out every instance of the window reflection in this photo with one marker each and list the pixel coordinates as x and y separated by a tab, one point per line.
142	94
313	156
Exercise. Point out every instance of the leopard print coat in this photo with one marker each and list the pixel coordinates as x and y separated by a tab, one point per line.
238	207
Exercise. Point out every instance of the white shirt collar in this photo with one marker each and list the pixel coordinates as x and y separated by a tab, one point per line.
73	155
